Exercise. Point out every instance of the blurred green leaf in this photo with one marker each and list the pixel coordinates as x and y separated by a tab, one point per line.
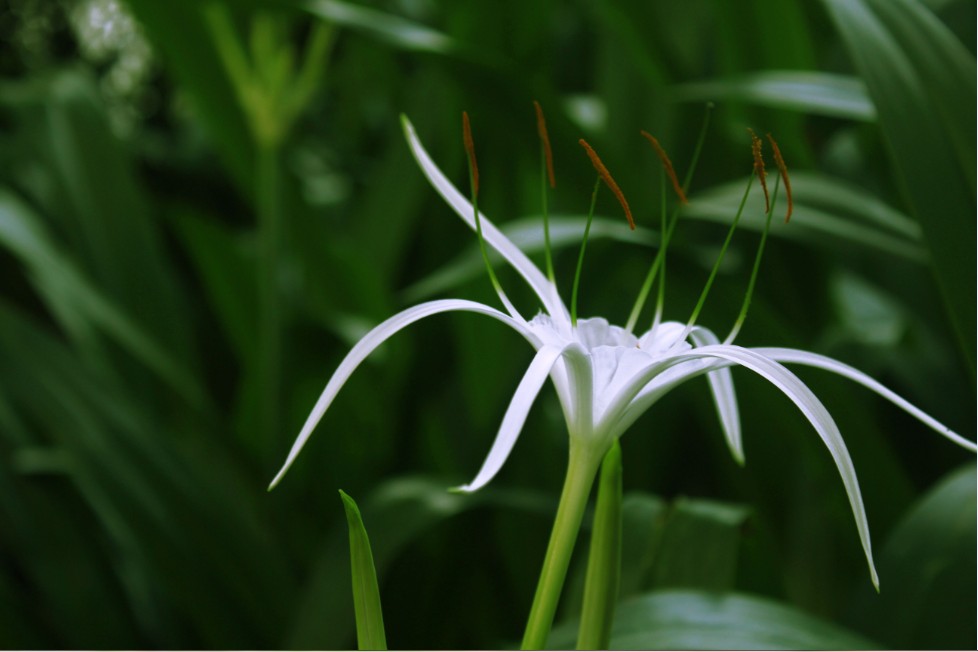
395	31
226	271
927	570
366	594
826	211
79	305
809	92
177	529
82	179
698	546
695	620
922	81
177	29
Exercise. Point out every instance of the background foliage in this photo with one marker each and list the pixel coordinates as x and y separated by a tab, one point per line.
202	205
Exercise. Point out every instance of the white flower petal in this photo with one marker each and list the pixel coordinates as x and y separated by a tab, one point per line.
375	338
777	375
794	356
579	380
493	236
724	396
519	407
817	415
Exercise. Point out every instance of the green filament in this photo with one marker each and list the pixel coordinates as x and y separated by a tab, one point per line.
659	260
716	265
546	214
660	300
757	266
580	257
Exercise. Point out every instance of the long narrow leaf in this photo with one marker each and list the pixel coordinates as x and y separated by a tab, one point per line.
917	72
366	594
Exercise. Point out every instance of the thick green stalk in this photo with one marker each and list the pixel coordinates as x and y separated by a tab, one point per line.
270	232
582	467
604	561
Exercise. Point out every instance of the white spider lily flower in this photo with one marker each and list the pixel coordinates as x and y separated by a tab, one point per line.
605	376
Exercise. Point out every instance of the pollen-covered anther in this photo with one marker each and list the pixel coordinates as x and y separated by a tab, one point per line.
756	146
667	164
545	142
470	150
608	180
783	170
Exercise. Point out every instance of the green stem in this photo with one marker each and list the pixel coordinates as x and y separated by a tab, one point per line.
604	560
582	466
268	201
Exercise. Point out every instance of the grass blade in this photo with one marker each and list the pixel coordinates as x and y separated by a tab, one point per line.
366	594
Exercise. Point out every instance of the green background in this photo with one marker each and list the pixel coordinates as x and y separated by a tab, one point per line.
204	205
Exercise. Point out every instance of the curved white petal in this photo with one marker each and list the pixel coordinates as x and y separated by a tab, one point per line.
800	395
794	356
375	338
493	236
724	396
519	407
579	408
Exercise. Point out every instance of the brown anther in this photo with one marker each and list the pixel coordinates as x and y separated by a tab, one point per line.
783	169
545	141
606	177
756	146
667	164
470	150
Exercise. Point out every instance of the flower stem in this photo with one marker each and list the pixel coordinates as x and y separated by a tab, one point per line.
604	559
582	467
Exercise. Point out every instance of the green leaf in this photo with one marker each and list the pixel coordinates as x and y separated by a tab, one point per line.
604	557
927	569
401	509
699	545
83	181
697	620
827	211
809	92
393	30
922	81
178	30
366	594
78	304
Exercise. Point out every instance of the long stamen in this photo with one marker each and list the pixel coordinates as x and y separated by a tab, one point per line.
783	170
666	164
546	161
670	171
659	261
756	146
474	184
757	266
580	256
716	266
604	175
661	298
